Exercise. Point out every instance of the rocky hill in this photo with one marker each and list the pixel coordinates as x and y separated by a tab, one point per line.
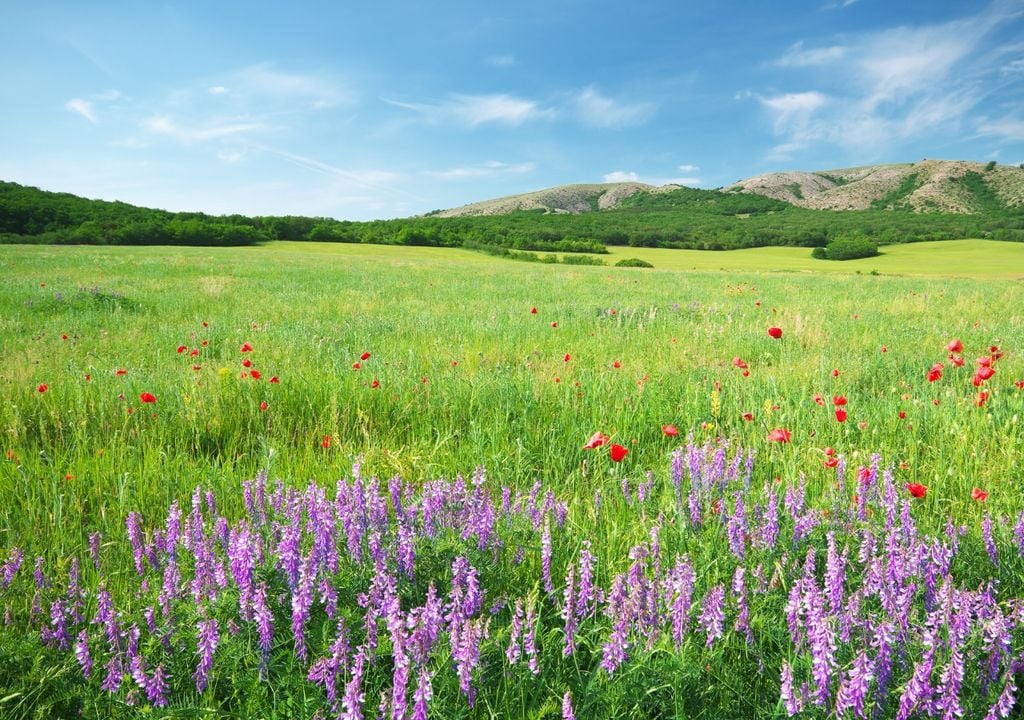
946	186
572	199
955	186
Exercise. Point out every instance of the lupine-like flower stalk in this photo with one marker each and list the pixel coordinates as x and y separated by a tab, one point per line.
205	647
82	653
853	689
567	710
711	614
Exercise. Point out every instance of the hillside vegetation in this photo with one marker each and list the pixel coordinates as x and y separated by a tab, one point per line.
883	205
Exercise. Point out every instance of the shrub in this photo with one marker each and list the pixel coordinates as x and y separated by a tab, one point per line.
633	262
847	248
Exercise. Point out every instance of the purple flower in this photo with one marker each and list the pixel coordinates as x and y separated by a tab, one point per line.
530	636
918	691
792	702
95	540
82	653
545	558
990	543
352	703
739	590
38	576
585	595
467	653
156	687
835	574
115	672
302	601
133	524
265	626
711	614
853	689
821	640
206	645
515	644
422	695
680	584
613	653
11	567
1005	702
737	528
567	712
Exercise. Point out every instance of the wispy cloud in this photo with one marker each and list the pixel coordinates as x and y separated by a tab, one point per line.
598	110
1006	128
797	56
312	89
188	134
890	86
474	110
620	176
82	107
501	61
488	169
217	90
378	180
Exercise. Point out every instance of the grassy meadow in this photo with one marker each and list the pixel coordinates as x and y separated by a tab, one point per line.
459	373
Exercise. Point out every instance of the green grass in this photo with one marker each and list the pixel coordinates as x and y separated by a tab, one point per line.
468	376
981	259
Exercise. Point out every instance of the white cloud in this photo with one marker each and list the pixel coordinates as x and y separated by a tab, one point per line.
797	56
489	169
500	60
1007	128
619	176
217	90
892	86
688	168
1012	68
378	180
505	109
163	125
597	110
475	110
82	107
314	90
793	110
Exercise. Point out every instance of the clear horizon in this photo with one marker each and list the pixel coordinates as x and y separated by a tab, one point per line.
399	109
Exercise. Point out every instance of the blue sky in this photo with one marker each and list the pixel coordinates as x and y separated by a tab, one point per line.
386	109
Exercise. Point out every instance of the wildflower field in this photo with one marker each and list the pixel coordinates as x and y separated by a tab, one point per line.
320	481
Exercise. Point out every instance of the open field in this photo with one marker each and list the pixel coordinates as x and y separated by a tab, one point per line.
459	373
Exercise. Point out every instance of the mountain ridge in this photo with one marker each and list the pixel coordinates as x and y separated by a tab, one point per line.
945	186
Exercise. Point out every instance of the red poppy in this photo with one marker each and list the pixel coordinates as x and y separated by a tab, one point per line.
618	452
596	440
326	442
885	349
43	387
979	494
455	363
264	406
533	311
375	384
917	489
554	324
120	371
819	400
204	343
984	361
838	400
567	357
1020	384
775	332
830	451
745	373
936	372
246	347
955	346
356	365
902	414
670	430
749	417
274	380
365	356
254	374
616	364
981	398
206	324
194	353
181	349
984	372
69	476
247	363
841	415
779	435
197	367
739	362
147	397
88	377
957	360
832	462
